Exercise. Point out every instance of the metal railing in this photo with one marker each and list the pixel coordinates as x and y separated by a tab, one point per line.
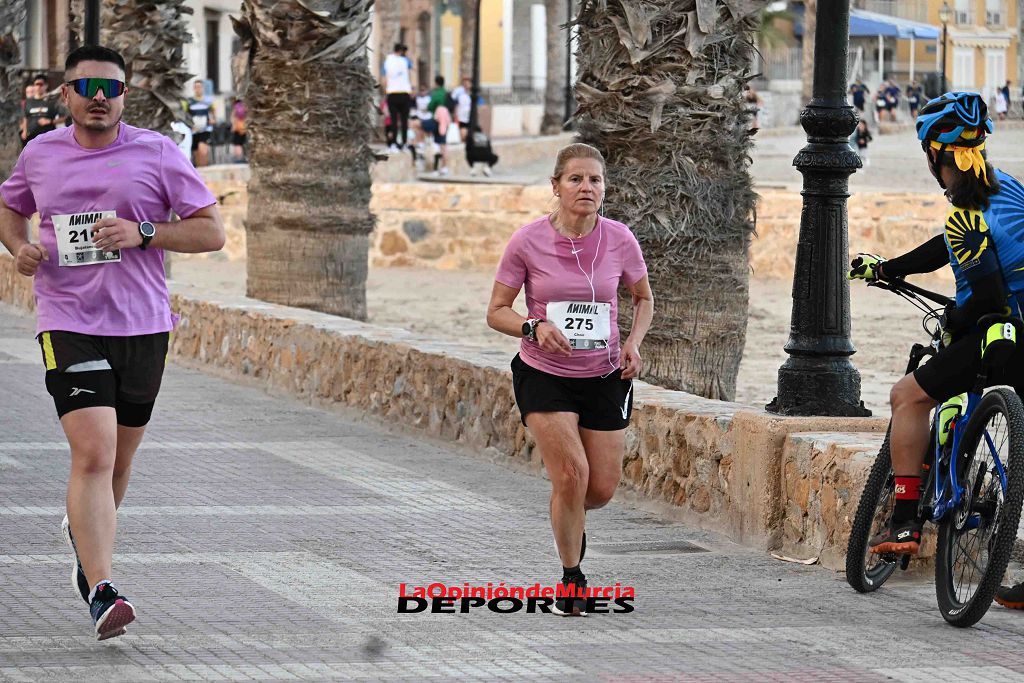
963	16
995	14
779	63
525	89
915	10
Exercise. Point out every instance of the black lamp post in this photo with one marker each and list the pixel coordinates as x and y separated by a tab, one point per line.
92	22
474	88
818	378
944	15
568	60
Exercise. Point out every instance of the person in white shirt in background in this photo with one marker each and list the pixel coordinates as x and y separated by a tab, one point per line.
1001	104
463	96
420	118
397	73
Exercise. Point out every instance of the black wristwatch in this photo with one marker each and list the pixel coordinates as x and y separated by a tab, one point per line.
530	328
147	230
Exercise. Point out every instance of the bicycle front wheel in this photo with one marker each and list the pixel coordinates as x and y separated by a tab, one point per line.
867	571
976	539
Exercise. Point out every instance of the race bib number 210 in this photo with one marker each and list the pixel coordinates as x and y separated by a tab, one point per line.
74	239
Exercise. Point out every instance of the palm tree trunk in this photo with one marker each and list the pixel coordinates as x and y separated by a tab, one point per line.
150	36
466	40
309	220
554	90
807	53
659	92
13	17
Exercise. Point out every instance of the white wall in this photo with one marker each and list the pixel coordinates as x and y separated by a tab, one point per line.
195	52
538	45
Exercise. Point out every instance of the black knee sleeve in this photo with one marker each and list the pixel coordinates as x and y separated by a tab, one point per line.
134	414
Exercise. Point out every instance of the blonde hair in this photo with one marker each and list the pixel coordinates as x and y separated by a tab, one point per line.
577	150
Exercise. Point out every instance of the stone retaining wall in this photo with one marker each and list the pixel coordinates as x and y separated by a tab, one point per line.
729	467
466	225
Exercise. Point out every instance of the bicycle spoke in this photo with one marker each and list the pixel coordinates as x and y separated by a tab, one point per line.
981	485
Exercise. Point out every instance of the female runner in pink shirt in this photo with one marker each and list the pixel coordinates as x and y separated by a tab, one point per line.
572	378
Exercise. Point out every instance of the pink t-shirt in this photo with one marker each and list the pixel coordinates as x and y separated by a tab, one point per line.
141	176
542	259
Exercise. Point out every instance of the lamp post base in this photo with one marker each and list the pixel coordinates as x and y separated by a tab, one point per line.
818	386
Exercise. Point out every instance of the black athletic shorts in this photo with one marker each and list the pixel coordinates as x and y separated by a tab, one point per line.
124	373
954	370
603	403
197	138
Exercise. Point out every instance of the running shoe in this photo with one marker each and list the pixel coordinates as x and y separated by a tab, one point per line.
110	612
487	171
78	580
904	539
1011	597
569	606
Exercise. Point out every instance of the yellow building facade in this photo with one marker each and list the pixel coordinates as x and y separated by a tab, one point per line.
495	16
981	45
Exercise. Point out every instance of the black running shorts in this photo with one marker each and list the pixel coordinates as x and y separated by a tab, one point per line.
603	403
954	370
124	373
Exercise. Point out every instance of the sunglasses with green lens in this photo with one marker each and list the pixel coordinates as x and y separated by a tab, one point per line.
88	87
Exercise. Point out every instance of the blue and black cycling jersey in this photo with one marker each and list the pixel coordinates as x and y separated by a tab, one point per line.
982	243
985	250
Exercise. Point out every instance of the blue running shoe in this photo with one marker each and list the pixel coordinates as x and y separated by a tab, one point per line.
110	612
78	580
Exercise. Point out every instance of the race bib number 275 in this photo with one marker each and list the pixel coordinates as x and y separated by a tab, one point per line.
74	239
586	324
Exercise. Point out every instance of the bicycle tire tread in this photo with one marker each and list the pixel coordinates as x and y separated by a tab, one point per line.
860	530
980	602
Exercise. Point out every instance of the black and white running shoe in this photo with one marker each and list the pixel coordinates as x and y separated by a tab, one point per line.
110	612
574	604
78	581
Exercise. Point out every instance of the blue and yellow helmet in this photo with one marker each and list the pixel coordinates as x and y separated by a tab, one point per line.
955	118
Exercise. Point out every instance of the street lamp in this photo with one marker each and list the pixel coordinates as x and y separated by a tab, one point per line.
92	22
568	60
945	13
818	378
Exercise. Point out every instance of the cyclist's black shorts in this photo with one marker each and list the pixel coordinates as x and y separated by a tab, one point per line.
954	370
603	403
124	373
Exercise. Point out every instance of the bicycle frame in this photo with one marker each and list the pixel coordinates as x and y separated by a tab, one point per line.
947	493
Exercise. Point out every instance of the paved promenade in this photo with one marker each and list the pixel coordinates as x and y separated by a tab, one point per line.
263	539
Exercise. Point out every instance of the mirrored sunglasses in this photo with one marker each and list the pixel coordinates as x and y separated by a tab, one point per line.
88	87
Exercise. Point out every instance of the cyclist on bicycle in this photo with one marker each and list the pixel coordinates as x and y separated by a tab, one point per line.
983	242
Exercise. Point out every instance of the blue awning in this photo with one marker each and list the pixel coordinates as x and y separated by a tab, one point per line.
864	24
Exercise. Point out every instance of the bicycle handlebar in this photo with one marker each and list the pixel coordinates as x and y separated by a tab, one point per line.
900	285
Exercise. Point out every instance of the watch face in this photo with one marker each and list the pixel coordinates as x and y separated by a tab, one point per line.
147	229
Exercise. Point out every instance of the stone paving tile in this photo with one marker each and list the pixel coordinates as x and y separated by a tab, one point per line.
265	540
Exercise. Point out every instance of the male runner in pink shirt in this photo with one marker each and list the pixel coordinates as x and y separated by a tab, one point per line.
105	193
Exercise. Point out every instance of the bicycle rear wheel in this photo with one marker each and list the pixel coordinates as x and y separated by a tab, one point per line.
865	570
975	540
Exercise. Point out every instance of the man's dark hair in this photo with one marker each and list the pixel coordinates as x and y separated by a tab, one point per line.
399	47
439	81
93	53
40	77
